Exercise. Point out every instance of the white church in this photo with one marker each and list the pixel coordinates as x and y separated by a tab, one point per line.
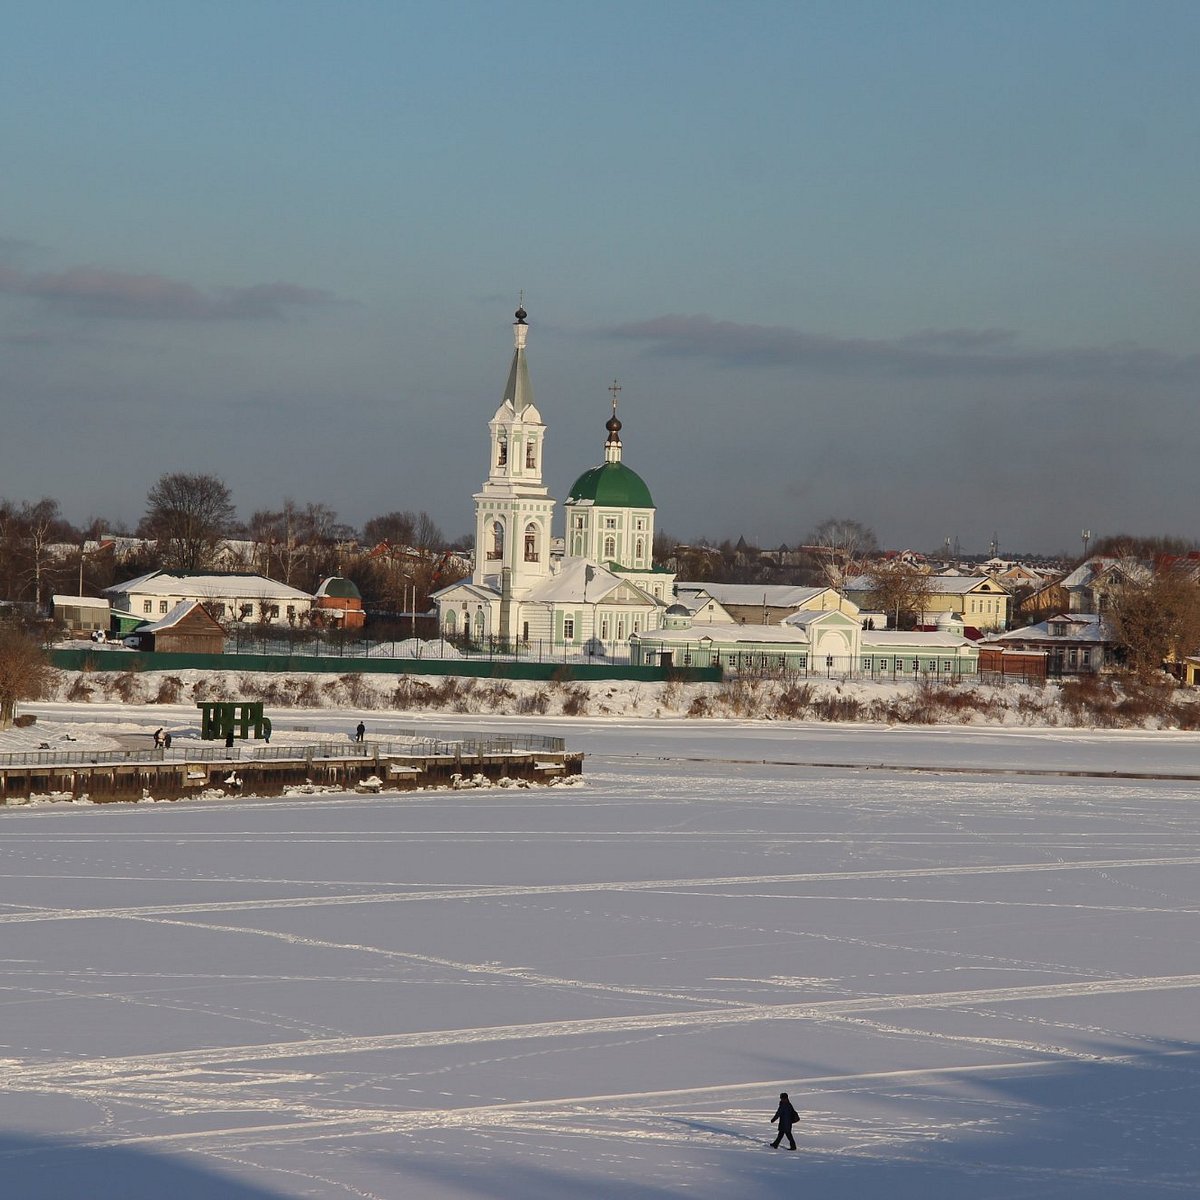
604	589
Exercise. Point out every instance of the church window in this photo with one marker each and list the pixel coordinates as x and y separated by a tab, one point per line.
610	547
578	522
610	522
640	545
502	452
604	630
451	623
479	624
568	629
641	522
531	542
530	455
497	547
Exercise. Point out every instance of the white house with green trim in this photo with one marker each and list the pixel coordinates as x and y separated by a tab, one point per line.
809	642
604	589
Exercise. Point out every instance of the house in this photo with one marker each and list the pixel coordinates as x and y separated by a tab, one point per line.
979	600
83	614
233	598
763	604
812	642
186	629
1049	598
1075	643
1091	585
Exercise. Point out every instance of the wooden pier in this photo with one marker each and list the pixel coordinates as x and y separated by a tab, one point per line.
183	771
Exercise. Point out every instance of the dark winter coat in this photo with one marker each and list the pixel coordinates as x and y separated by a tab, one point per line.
786	1115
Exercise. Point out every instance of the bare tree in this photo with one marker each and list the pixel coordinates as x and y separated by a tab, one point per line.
901	590
1156	620
395	528
188	516
842	546
24	671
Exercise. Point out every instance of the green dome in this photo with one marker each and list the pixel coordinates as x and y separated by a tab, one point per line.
612	485
340	588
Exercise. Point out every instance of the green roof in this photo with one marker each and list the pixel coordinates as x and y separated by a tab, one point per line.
340	588
612	485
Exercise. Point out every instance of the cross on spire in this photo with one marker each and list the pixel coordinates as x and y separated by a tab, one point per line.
614	388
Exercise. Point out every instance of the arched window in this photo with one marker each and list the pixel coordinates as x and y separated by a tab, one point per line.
640	547
531	542
479	625
497	548
451	623
530	455
502	451
610	548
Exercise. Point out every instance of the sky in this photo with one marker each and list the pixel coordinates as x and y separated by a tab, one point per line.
930	266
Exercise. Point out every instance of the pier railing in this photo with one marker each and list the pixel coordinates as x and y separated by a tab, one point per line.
409	745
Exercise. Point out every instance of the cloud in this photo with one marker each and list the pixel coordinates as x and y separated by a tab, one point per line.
943	353
97	292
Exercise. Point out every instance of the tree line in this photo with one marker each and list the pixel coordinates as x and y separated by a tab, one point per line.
190	523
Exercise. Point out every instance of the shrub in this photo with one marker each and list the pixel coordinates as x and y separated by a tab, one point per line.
837	708
794	701
575	702
80	690
127	686
170	688
534	703
358	695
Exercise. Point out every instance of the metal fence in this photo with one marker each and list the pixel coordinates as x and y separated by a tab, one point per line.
337	645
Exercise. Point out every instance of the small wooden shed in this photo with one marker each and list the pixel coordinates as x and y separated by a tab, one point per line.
186	629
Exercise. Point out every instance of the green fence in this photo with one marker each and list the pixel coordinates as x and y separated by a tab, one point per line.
137	660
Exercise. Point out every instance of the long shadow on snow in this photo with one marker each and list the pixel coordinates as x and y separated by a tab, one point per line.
33	1167
1072	1130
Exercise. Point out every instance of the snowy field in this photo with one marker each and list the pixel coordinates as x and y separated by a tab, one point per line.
973	985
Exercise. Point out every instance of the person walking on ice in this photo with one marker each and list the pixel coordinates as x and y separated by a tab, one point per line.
787	1116
360	732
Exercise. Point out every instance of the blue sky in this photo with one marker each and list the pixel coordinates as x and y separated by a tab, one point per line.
929	265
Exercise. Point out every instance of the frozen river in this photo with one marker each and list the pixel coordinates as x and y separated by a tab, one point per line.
977	984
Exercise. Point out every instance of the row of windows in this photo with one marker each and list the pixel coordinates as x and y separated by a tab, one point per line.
875	663
244	612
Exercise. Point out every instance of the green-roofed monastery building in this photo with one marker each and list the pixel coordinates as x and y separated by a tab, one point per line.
604	588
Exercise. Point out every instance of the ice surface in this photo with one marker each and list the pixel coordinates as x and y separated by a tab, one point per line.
977	984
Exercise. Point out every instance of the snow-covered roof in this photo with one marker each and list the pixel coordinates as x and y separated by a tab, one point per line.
472	591
580	581
725	634
208	586
1083	574
953	585
79	601
884	638
772	595
1076	627
173	618
809	616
